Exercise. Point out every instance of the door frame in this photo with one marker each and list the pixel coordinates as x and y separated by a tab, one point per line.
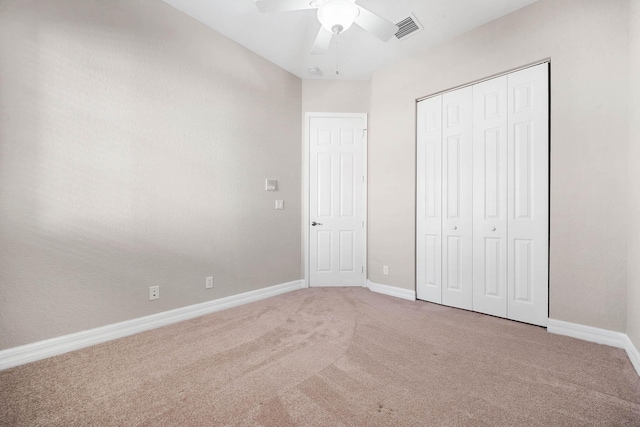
305	188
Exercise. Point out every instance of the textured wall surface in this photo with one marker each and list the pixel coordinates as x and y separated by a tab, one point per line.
587	41
134	144
633	268
336	96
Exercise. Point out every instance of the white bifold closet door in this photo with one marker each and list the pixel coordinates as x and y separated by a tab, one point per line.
445	209
429	200
457	206
490	197
528	195
482	197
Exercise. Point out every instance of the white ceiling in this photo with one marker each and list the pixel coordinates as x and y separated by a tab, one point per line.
286	38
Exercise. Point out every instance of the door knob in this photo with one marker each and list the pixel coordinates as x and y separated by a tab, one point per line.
315	223
454	227
493	229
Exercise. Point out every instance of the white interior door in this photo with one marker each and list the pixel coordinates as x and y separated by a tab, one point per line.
429	207
490	197
336	201
457	216
528	201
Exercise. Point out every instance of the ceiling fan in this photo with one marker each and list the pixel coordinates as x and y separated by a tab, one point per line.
336	16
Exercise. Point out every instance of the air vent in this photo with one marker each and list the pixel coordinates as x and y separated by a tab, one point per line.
408	26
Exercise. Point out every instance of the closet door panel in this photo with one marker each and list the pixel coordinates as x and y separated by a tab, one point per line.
429	206
528	201
490	197
457	212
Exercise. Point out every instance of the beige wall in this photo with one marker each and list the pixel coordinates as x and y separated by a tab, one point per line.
633	269
134	144
587	42
336	96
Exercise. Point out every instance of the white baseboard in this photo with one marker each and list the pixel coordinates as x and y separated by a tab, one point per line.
392	291
52	347
634	355
587	333
597	335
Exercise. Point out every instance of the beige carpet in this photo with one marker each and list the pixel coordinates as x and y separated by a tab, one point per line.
330	357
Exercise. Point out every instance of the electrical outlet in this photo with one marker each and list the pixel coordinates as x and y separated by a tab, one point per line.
385	269
154	292
209	282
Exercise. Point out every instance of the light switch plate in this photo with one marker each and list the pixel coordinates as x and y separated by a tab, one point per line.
271	185
279	204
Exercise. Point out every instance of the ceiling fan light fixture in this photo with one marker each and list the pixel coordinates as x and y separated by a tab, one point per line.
337	15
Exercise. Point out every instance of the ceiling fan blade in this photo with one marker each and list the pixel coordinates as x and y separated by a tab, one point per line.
268	6
379	27
322	43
